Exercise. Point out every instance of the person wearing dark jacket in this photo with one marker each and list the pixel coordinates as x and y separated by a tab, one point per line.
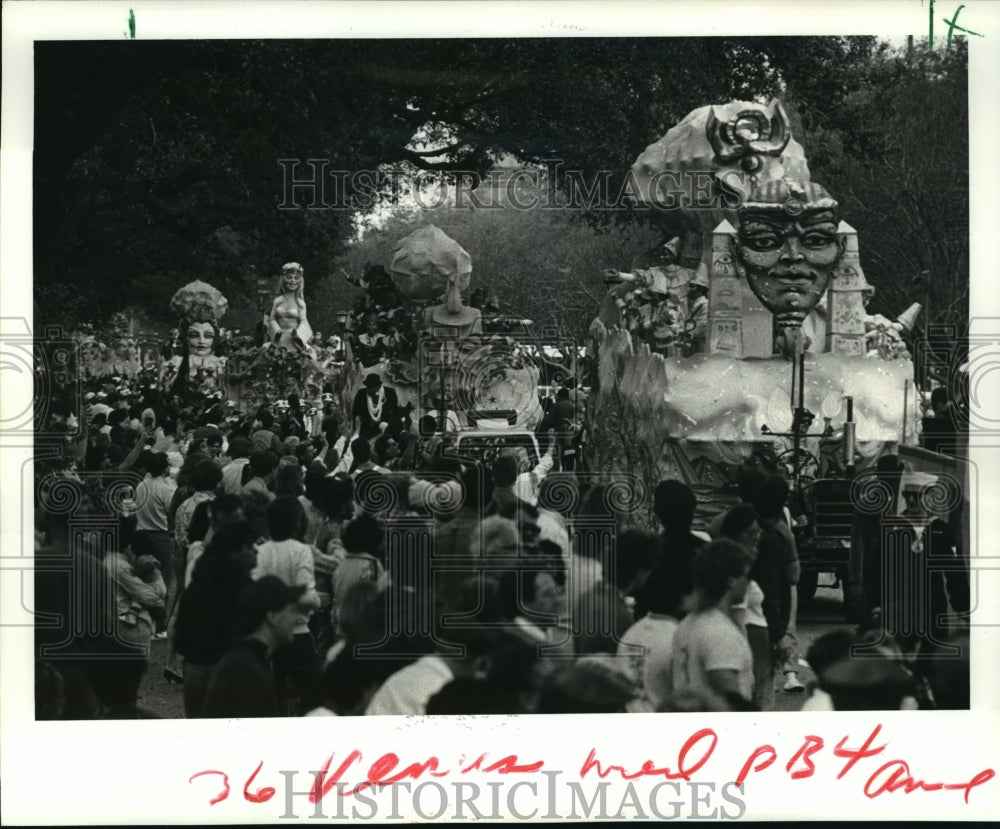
769	570
674	504
242	684
374	405
924	575
208	609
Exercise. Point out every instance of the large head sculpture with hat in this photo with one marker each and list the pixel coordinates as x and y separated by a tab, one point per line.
787	245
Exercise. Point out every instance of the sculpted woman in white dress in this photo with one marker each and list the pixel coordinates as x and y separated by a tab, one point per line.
287	323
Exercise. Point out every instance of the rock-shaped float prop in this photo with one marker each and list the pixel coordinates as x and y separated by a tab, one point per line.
425	262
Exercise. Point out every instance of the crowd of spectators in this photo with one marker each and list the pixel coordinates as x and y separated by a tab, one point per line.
295	566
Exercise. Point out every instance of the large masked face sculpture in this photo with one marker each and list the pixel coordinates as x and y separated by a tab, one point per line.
788	246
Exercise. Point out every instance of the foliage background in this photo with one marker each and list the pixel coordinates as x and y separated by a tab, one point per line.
156	162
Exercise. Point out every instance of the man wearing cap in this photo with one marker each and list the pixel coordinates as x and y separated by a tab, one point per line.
241	684
375	407
924	573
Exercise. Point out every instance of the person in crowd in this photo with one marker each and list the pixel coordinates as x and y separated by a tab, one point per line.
361	453
294	422
529	478
139	588
429	446
674	505
265	438
770	571
944	667
562	419
74	589
363	539
533	597
241	684
742	526
350	681
711	653
511	685
863	671
207	613
750	477
603	613
330	424
386	452
337	500
554	495
493	537
153	497
226	509
465	533
213	446
648	645
868	533
375	408
185	485
592	684
312	500
288	480
941	432
262	470
198	530
458	652
286	557
504	502
926	573
205	479
232	472
371	346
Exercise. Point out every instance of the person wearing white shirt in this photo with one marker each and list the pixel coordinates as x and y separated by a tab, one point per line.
529	481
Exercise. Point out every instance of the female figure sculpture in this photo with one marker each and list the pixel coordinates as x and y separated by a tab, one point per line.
287	323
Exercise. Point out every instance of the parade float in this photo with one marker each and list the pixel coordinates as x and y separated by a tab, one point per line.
444	360
745	339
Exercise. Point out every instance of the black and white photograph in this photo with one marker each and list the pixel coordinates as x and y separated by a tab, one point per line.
433	379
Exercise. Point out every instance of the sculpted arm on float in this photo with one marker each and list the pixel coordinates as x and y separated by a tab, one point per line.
273	329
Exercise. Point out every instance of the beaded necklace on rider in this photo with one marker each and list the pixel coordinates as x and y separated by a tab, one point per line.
375	409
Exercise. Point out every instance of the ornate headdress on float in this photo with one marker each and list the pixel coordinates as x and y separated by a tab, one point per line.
199	302
791	198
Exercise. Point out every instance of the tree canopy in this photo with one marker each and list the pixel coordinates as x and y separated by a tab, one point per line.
158	162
